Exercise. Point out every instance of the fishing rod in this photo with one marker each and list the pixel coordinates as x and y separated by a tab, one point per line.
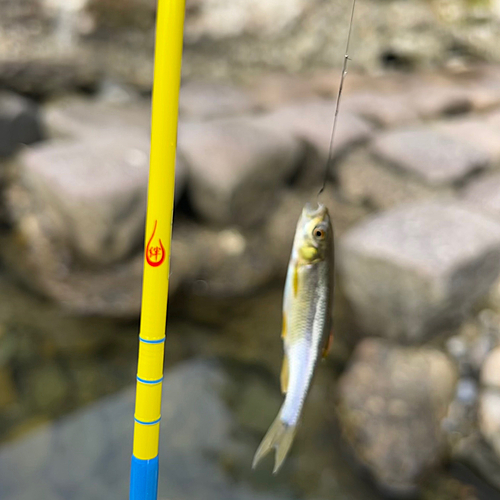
166	87
339	95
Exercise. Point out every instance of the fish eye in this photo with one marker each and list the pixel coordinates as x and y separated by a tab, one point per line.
319	233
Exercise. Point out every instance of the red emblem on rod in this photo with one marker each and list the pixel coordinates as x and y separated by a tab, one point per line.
155	255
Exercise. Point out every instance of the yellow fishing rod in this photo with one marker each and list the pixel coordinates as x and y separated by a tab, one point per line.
167	76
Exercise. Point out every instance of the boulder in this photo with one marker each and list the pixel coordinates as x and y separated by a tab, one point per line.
311	123
80	118
414	270
485	193
386	109
94	191
89	119
432	157
236	167
19	123
220	263
203	100
489	418
365	180
392	402
490	371
477	133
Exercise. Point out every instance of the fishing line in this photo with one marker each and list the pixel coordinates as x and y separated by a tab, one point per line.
339	94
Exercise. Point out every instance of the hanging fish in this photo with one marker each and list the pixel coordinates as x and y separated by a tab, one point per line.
307	321
307	307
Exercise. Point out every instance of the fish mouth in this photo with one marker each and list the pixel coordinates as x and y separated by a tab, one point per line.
314	213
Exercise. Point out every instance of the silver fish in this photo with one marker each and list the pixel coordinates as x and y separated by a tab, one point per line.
307	321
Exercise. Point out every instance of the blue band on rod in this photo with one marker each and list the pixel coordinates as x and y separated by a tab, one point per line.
144	479
158	341
150	382
147	423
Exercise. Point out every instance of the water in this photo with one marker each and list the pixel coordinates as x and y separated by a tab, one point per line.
67	429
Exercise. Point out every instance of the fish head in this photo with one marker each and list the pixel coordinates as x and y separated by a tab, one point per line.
314	234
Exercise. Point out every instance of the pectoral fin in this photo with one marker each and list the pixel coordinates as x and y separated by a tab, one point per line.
328	345
283	330
284	375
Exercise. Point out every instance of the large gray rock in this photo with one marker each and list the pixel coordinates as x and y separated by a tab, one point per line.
95	190
90	119
220	263
209	100
19	123
392	402
311	122
413	270
365	180
434	158
235	167
476	132
485	193
79	118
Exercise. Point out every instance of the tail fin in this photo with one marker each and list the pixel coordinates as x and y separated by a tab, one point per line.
279	436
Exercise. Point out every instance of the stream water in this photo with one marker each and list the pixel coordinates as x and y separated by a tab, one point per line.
67	395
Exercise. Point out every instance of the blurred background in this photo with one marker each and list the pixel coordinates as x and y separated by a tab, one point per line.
407	405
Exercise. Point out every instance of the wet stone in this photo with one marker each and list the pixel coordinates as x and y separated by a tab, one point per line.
384	109
95	190
485	193
366	180
416	269
311	123
392	402
80	118
203	100
434	158
235	166
476	132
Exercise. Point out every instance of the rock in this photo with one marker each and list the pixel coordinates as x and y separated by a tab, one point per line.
366	180
87	119
471	346
414	270
95	191
79	118
44	76
392	402
19	123
220	263
434	158
384	109
477	133
311	123
490	371
485	193
435	99
207	101
235	167
112	291
215	19
489	418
